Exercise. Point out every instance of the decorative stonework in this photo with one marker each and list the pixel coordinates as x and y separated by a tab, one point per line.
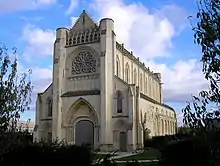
83	63
88	36
83	77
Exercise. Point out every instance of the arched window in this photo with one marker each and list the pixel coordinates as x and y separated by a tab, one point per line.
127	73
117	67
150	90
141	83
119	102
135	77
146	84
50	107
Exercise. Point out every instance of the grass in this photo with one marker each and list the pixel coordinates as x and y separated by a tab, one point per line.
149	154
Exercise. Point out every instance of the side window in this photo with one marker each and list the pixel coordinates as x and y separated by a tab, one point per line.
119	102
49	107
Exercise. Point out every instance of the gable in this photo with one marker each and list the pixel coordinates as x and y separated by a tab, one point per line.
83	22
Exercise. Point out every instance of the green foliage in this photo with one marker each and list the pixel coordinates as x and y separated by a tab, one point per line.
159	142
46	154
14	90
207	35
202	149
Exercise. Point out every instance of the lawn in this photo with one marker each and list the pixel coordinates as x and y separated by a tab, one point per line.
149	154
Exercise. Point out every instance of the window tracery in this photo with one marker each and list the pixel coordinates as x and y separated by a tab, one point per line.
83	63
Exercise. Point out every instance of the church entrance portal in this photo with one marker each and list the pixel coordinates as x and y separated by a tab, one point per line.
84	133
123	141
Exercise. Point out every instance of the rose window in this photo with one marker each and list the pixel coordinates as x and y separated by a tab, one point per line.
84	63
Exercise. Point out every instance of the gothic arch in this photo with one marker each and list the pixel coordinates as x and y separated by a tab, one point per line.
119	101
151	87
117	66
141	82
127	73
146	84
49	103
75	107
135	77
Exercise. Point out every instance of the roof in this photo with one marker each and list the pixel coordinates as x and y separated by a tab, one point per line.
83	22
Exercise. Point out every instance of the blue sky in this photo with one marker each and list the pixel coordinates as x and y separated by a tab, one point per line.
156	31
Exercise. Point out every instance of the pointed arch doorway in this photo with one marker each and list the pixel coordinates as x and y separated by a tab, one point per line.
84	133
81	124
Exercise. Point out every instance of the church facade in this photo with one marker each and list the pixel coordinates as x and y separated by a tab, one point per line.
101	93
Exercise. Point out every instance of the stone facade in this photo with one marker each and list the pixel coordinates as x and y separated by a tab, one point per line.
100	94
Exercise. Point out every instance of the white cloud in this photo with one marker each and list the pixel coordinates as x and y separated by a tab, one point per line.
146	33
73	5
39	41
179	119
149	35
181	80
15	5
175	14
41	79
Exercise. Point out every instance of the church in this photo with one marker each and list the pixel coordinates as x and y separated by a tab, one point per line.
101	94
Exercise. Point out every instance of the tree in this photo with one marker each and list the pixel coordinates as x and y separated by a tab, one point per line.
15	90
207	35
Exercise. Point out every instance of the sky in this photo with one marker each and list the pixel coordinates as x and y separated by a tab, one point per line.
156	31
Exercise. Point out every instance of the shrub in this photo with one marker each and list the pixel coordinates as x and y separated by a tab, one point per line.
160	141
17	148
12	139
157	142
35	154
200	150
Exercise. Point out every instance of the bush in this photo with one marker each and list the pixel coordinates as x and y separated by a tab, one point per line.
35	154
185	152
12	139
17	148
158	142
198	150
